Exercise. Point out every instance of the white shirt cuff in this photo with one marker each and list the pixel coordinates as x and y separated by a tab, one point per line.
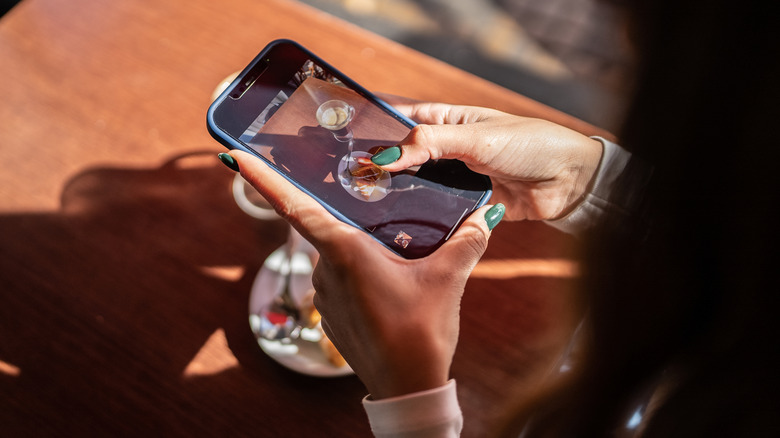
431	413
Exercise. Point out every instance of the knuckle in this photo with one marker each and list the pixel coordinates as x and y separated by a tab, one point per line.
334	244
335	264
475	241
287	207
317	302
316	277
421	137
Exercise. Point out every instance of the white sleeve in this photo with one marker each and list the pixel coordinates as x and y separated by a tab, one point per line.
434	413
596	203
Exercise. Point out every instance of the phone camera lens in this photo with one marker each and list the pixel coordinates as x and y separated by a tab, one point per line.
238	91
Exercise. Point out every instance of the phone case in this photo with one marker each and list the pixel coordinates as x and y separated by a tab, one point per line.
304	137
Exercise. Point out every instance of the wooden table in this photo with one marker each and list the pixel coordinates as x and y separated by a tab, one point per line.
125	265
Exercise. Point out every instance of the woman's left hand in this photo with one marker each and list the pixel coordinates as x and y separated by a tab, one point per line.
394	320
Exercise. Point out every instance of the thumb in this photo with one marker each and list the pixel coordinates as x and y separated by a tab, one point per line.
469	242
302	211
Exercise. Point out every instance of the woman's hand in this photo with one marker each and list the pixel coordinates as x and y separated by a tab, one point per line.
540	170
394	320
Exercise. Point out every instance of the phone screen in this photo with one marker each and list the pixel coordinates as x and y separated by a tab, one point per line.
319	129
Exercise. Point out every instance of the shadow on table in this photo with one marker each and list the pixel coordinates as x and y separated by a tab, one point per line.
106	304
125	314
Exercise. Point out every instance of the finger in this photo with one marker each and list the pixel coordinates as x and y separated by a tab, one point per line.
469	242
430	142
304	213
431	113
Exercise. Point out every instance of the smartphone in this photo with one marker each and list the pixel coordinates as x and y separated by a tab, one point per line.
319	129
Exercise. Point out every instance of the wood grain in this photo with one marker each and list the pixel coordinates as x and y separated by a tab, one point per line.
125	265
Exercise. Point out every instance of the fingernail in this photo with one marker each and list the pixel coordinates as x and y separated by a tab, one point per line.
228	161
387	156
494	215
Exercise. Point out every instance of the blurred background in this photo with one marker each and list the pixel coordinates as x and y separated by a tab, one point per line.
568	54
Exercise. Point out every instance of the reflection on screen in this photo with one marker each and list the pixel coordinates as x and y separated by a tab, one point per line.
322	135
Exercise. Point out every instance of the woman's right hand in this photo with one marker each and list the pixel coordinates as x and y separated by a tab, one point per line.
394	320
540	170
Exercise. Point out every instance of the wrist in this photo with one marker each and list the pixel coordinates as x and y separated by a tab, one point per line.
583	174
421	363
412	383
409	375
598	198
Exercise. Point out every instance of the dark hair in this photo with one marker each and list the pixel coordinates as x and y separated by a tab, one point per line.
685	294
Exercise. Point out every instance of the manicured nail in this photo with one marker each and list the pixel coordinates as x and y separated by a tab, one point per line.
387	156
494	215
228	161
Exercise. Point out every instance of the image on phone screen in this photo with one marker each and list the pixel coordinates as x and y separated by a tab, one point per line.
321	134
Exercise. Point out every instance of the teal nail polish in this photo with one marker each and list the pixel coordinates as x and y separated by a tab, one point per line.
228	161
494	215
387	156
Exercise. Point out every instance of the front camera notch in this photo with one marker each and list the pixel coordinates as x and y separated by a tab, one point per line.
248	80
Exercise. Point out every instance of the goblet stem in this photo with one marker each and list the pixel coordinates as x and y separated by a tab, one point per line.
277	313
288	303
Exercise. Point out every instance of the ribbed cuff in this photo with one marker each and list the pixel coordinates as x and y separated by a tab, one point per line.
431	413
